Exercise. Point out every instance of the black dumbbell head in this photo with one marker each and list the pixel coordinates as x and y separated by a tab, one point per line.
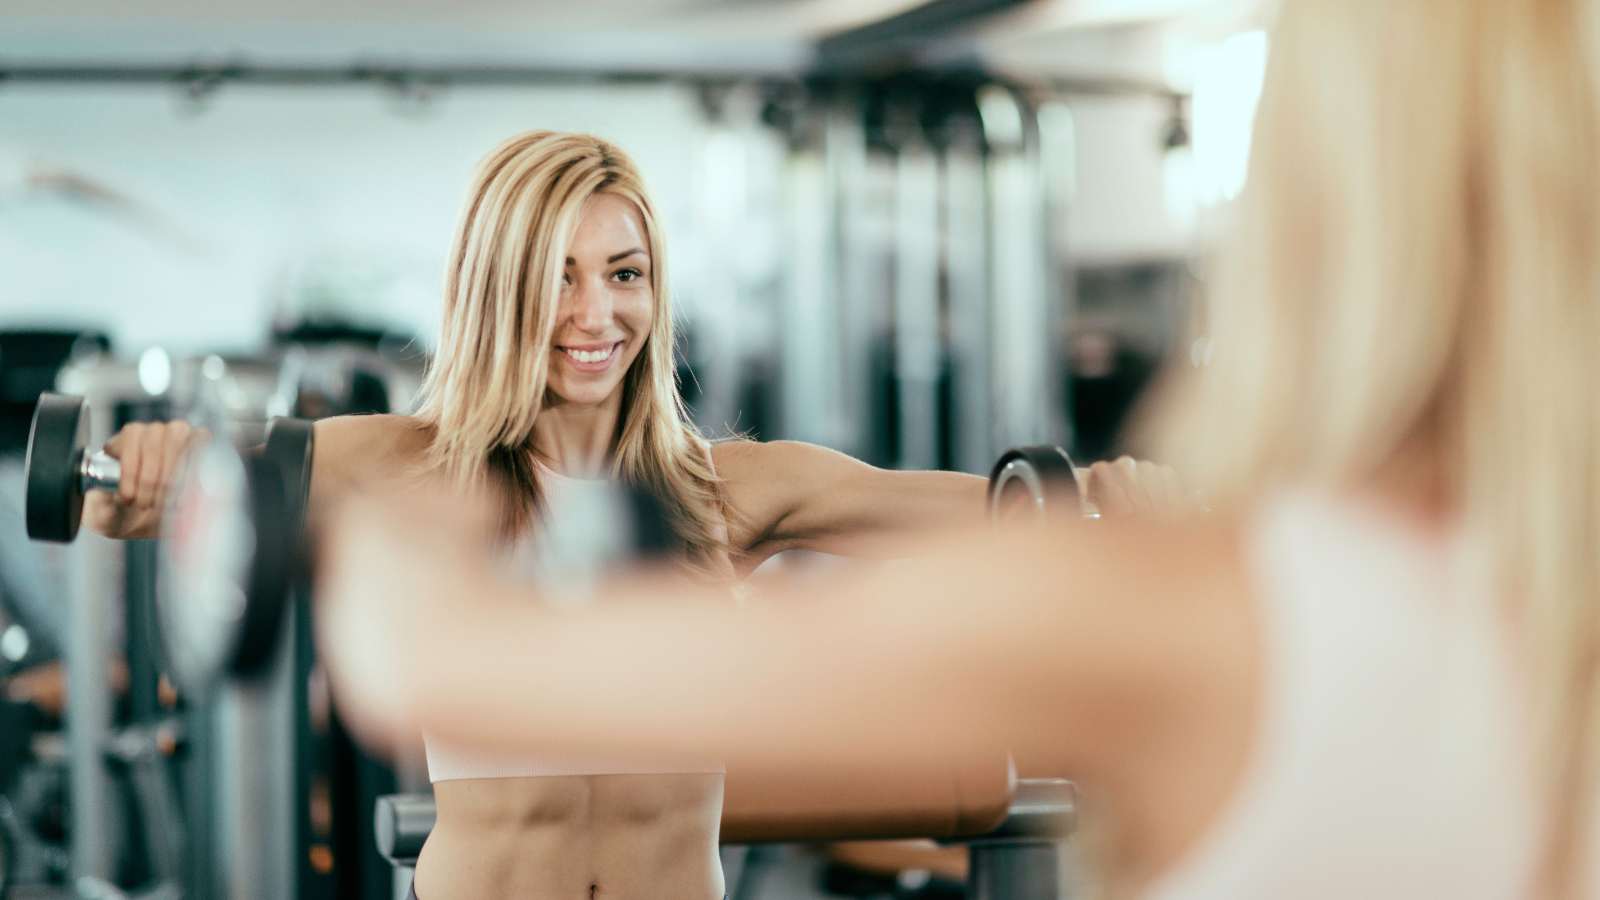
1034	480
56	442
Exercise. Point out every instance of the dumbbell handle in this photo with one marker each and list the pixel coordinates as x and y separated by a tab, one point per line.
100	471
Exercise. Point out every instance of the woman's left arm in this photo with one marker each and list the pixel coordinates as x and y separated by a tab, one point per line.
787	495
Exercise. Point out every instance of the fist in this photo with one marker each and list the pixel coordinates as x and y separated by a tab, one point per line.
1130	487
150	454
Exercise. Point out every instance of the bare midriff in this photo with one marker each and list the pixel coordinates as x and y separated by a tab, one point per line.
574	837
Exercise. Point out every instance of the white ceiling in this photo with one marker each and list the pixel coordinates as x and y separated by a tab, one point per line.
1112	38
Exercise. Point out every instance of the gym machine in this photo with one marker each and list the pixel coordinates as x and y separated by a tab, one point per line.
231	617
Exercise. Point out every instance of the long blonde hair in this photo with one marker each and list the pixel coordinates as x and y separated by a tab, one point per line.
1416	263
487	384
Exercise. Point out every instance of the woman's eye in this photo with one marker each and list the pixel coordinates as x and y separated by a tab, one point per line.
566	280
626	275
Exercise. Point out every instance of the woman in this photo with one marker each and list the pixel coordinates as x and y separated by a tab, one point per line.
1372	672
555	363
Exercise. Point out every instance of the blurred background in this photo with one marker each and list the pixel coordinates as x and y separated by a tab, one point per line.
918	231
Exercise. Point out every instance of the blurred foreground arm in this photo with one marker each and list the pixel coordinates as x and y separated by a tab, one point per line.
1079	650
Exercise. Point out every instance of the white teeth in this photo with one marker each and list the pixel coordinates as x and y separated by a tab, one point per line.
590	356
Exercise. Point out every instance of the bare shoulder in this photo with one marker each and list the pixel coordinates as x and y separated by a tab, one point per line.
352	449
373	438
744	460
734	457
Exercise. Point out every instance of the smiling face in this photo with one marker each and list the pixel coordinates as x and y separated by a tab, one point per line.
607	302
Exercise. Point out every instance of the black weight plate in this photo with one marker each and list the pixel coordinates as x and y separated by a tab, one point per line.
290	446
281	488
1043	475
56	441
271	572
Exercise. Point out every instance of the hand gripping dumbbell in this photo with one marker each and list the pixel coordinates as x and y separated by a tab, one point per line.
1040	481
60	470
231	534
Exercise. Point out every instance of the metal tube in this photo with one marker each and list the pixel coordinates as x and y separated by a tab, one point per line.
916	305
967	254
1025	411
811	381
99	471
256	783
857	283
1016	871
94	587
92	582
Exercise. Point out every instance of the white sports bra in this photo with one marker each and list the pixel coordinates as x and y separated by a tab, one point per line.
447	762
1393	756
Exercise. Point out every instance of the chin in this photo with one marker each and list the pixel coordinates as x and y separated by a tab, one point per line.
585	395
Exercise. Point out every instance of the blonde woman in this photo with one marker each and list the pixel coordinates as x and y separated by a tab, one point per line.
1372	673
555	364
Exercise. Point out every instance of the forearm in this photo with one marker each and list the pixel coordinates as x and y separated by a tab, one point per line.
945	659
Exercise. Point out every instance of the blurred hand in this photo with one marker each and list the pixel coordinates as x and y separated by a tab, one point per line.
1130	487
150	453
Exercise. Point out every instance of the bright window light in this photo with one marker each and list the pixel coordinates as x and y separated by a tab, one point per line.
1227	88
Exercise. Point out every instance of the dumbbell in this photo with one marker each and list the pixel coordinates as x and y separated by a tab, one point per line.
232	552
232	530
1039	481
60	471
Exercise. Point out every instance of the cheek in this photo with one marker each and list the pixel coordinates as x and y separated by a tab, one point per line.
637	313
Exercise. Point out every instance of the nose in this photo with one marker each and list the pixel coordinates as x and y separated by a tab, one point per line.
592	306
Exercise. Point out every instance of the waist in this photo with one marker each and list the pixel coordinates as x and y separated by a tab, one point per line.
579	803
566	836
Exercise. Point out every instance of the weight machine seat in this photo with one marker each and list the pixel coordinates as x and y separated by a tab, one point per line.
941	800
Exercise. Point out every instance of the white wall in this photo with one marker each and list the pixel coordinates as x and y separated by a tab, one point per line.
1121	208
260	199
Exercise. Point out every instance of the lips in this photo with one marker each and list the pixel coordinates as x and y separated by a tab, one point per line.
591	357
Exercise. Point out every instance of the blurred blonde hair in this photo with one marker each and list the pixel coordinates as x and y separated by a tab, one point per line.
487	384
1417	270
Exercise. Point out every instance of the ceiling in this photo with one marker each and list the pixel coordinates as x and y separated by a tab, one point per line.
1070	37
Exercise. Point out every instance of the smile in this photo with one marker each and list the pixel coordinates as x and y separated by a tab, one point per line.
592	356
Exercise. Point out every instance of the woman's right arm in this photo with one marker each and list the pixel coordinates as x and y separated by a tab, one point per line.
348	451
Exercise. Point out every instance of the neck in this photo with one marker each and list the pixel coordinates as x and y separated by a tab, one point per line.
576	439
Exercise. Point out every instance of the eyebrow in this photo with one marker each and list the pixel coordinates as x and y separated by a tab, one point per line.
614	257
